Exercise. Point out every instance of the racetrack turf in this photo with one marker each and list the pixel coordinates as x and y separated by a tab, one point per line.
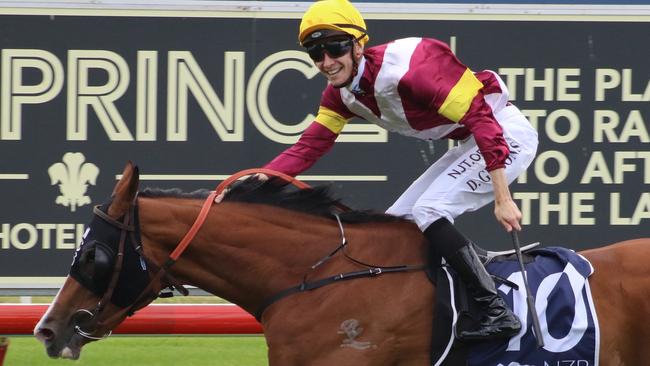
148	351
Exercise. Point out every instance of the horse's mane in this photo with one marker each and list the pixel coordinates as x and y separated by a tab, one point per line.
317	201
174	193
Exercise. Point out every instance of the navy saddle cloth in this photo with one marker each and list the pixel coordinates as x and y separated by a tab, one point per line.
558	282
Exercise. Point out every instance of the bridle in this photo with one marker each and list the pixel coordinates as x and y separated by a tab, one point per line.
85	317
88	321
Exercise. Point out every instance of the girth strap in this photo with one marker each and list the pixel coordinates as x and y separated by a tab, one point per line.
308	286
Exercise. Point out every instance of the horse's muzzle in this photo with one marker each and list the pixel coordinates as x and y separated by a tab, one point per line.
58	342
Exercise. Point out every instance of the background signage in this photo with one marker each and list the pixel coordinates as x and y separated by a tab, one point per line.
192	100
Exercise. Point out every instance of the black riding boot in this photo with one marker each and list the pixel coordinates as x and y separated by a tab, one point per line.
498	321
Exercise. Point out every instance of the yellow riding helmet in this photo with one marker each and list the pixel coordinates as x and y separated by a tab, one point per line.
337	15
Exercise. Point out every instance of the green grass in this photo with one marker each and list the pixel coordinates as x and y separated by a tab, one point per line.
145	351
148	351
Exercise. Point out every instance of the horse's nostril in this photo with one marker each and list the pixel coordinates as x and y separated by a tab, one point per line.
45	334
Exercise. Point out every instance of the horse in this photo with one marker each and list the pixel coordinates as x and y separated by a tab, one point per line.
328	289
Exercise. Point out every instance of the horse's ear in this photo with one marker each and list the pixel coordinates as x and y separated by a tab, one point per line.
125	190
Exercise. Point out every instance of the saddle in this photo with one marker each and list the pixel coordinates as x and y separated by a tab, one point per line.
435	262
487	256
468	313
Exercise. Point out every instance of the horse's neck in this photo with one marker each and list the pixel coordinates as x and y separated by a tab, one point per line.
243	253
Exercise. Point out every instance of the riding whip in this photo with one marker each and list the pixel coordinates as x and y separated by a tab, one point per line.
529	296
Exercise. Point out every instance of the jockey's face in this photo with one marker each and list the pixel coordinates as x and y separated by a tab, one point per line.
339	68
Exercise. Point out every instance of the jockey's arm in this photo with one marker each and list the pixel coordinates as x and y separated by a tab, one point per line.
315	142
505	209
488	134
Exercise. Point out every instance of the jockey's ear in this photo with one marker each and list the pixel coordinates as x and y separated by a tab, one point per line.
358	51
125	190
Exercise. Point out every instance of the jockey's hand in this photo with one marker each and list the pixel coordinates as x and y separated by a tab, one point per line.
505	209
221	195
260	176
508	214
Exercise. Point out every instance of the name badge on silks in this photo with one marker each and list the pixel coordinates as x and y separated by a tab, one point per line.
569	326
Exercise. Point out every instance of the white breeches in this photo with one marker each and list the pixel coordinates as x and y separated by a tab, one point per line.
458	182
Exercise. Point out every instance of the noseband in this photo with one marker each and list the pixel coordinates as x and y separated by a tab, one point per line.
91	318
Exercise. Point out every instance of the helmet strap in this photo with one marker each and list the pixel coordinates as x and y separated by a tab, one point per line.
355	67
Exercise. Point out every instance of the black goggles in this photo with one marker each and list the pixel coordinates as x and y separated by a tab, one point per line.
334	48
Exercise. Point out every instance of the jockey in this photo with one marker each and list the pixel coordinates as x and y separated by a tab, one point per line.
417	87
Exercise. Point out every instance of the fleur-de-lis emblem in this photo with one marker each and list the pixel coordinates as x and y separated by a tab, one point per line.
73	175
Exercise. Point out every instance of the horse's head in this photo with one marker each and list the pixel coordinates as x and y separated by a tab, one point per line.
106	279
